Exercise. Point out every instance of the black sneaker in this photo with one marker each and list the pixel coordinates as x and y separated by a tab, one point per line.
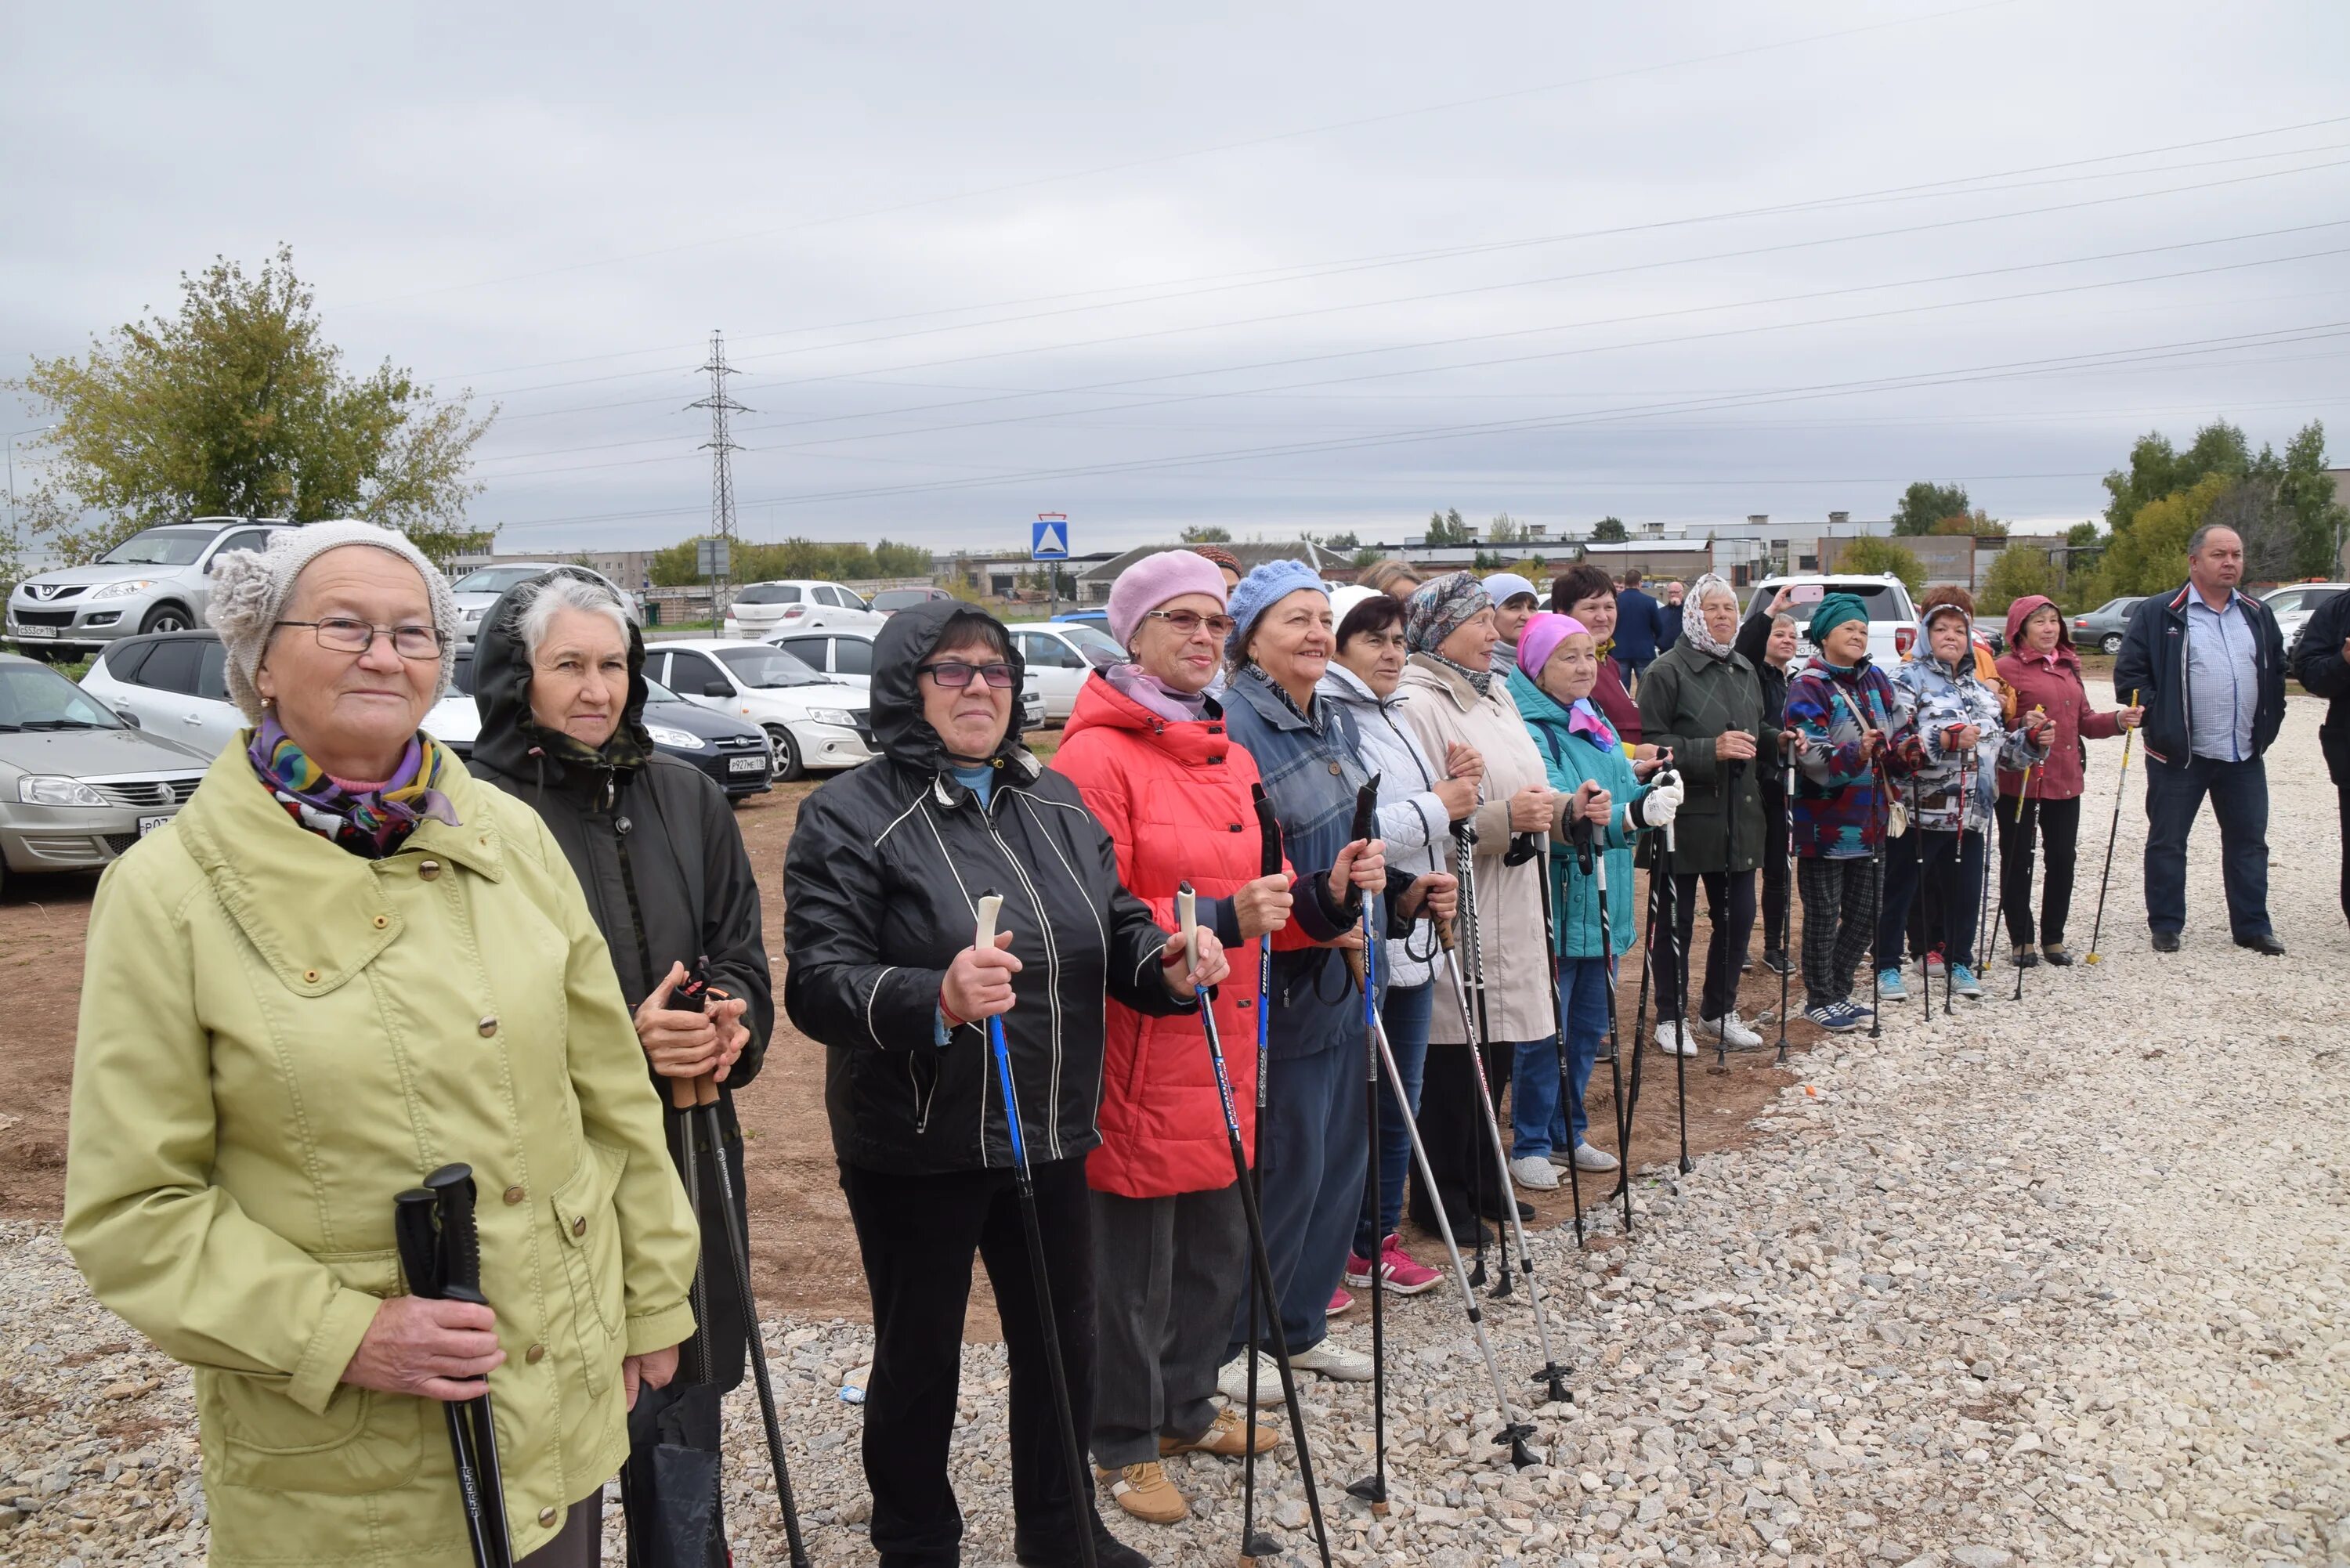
2265	944
2055	953
1777	962
2166	942
2024	957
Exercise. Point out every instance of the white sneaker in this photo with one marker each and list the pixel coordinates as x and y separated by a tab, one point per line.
1670	1041
1589	1159
1233	1381
1331	1359
1731	1029
1534	1173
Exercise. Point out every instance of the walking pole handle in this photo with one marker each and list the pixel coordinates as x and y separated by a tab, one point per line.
1186	919
412	1227
989	903
451	1187
1268	828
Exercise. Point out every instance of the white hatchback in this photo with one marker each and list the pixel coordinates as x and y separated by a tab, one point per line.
1059	656
761	609
812	721
847	655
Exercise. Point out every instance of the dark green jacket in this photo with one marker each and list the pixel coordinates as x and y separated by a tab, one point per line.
1687	700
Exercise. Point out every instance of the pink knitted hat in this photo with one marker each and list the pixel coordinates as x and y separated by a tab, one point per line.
1152	581
1543	634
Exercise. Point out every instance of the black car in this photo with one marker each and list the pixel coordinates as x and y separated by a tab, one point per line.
734	754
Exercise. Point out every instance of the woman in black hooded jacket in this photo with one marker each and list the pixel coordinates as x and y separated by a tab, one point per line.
883	879
558	678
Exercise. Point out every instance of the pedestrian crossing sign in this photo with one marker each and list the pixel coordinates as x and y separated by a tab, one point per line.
1048	539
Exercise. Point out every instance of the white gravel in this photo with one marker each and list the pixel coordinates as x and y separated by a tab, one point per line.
2057	1283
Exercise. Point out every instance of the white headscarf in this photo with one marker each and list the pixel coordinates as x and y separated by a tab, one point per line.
1694	623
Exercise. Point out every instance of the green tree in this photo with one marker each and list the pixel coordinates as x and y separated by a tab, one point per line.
796	558
1924	504
2081	534
1368	555
2156	469
1609	531
2149	555
1207	534
1345	543
1868	554
237	406
1447	528
2018	571
2306	493
1506	529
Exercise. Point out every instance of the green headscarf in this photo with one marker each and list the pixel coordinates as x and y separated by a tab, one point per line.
1833	612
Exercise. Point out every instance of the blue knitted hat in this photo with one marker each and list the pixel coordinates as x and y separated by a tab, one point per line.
1259	592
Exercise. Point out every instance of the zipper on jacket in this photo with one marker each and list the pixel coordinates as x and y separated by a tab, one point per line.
1052	974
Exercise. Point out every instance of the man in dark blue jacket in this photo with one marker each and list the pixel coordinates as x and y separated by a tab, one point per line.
1639	629
2322	663
2207	662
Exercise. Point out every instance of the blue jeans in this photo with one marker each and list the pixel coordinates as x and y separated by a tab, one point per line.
1316	1157
1538	1123
1405	1010
2240	800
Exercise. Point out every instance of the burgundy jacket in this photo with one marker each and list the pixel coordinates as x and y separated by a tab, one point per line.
2050	681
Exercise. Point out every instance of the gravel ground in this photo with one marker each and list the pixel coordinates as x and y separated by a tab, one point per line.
2062	1282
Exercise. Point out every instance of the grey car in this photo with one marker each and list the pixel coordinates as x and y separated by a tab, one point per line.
159	579
2101	627
78	784
478	590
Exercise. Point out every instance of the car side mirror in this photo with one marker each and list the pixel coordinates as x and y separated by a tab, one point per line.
716	689
128	717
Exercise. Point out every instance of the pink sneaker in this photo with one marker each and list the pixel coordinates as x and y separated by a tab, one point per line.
1404	1277
1358	1270
1339	1301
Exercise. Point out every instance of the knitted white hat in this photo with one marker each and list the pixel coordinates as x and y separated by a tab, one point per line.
249	588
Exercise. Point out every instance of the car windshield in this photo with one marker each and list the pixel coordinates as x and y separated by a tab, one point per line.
900	599
161	547
493	580
657	692
1097	646
1883	601
33	696
768	593
757	665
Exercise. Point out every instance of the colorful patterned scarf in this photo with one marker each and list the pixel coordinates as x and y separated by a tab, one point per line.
372	824
1586	719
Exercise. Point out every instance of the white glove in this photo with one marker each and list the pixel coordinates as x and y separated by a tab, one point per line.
1661	804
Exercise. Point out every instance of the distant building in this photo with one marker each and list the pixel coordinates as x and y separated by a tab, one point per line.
1094	581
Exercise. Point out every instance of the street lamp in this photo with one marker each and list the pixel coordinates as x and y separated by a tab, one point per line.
35	430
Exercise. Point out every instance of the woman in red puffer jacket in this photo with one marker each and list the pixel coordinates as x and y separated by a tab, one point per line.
1146	749
2043	671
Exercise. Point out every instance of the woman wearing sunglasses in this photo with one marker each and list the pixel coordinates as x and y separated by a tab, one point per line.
1146	748
882	882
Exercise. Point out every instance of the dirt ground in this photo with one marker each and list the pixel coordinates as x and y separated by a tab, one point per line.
805	1254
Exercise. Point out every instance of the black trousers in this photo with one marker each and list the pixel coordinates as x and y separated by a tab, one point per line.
917	1235
1724	952
670	1489
1460	1149
2240	800
2057	824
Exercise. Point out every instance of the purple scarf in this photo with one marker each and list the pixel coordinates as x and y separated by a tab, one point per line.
371	823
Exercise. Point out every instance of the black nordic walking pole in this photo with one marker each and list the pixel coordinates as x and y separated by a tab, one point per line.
2024	837
1252	1550
1255	1547
1552	1376
738	1248
1024	1182
1582	835
2113	834
1787	900
1678	959
1464	841
694	1356
1482	1036
1628	1101
414	1217
1513	1431
1714	944
1373	1489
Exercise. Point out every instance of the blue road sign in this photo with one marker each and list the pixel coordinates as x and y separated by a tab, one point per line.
1048	538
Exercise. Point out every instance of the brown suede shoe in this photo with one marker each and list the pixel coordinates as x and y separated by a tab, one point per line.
1144	1491
1222	1437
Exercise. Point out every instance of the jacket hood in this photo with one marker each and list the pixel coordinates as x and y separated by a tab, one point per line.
2021	611
1924	650
1341	684
907	637
509	735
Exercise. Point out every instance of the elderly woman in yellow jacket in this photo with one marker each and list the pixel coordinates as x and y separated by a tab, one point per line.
343	965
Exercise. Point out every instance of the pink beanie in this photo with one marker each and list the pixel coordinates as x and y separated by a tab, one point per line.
1543	634
1152	581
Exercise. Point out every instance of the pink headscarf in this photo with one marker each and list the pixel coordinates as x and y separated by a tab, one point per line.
1544	631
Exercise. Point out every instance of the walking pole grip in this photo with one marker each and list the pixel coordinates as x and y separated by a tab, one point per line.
451	1187
1187	918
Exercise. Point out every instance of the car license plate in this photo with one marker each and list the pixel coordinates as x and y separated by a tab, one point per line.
148	825
745	765
37	631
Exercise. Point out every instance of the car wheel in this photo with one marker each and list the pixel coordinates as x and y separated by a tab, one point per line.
786	753
2110	643
165	618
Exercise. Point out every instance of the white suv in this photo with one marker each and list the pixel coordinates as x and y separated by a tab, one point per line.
1892	619
761	609
811	720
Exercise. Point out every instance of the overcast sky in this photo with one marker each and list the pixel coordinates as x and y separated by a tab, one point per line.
1326	268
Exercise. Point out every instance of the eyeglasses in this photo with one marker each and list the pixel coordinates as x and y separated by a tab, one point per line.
954	675
343	635
1187	623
